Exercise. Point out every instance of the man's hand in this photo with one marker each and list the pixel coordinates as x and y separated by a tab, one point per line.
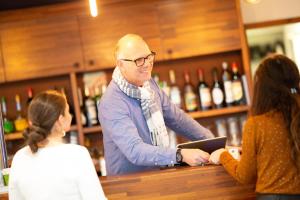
215	156
194	157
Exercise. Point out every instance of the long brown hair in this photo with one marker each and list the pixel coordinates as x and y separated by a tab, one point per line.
43	111
276	87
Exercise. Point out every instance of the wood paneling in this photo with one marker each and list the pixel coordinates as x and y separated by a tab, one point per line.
41	47
100	34
197	27
1	66
190	183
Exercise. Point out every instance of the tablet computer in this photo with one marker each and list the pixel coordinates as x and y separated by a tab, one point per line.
207	145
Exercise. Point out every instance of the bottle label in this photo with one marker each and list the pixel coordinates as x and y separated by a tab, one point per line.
218	96
237	90
205	97
175	96
190	101
91	110
228	92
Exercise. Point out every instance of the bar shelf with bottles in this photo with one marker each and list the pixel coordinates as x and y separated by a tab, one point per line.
217	69
16	96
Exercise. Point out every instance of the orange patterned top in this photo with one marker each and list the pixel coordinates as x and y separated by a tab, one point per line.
266	157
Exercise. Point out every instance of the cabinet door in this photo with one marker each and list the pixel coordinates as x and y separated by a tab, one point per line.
41	47
198	27
100	34
1	67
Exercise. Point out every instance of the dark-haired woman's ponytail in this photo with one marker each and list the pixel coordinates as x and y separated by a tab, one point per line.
33	135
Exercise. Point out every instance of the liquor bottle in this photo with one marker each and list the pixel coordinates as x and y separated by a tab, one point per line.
97	95
227	81
82	110
204	92
90	107
217	90
155	77
237	88
175	95
165	87
63	91
29	95
20	122
7	124
190	97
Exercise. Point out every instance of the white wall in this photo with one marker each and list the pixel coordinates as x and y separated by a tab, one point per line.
268	10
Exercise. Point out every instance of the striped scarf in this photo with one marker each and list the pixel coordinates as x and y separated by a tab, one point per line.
151	111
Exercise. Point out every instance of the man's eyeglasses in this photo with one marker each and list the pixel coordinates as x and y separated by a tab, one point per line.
141	61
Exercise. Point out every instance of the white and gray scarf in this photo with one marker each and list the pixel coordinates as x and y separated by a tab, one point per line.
151	111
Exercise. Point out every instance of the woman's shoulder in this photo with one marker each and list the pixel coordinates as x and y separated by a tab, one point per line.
268	116
73	148
266	119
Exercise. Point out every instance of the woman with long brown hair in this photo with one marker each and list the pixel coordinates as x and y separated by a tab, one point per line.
47	168
271	136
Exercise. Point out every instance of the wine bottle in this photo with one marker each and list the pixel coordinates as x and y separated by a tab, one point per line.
237	88
175	95
91	110
190	97
227	81
8	125
204	92
217	90
29	95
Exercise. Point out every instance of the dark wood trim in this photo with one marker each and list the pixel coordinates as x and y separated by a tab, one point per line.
272	23
74	86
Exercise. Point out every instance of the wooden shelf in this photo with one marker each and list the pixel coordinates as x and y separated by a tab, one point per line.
73	128
93	129
13	136
19	135
219	112
195	115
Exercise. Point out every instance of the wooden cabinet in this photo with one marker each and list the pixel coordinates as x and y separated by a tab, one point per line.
41	47
198	27
101	34
1	67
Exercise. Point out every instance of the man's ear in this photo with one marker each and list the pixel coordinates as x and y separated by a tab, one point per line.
119	63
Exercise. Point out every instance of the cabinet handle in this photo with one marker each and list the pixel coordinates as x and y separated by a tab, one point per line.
76	65
91	62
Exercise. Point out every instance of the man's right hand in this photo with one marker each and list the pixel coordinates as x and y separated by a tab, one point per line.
194	157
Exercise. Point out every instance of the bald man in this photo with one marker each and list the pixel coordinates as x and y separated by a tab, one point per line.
134	113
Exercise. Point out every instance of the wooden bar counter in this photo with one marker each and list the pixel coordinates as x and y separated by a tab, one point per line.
186	183
180	183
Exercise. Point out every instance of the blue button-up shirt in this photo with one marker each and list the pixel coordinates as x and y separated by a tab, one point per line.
126	137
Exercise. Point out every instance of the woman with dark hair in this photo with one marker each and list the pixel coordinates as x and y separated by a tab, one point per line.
46	168
271	136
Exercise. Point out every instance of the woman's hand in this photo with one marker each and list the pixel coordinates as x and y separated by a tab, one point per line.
215	156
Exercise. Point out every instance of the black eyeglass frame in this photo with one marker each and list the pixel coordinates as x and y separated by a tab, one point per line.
144	58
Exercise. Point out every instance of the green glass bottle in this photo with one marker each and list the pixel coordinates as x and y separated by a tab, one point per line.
8	125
